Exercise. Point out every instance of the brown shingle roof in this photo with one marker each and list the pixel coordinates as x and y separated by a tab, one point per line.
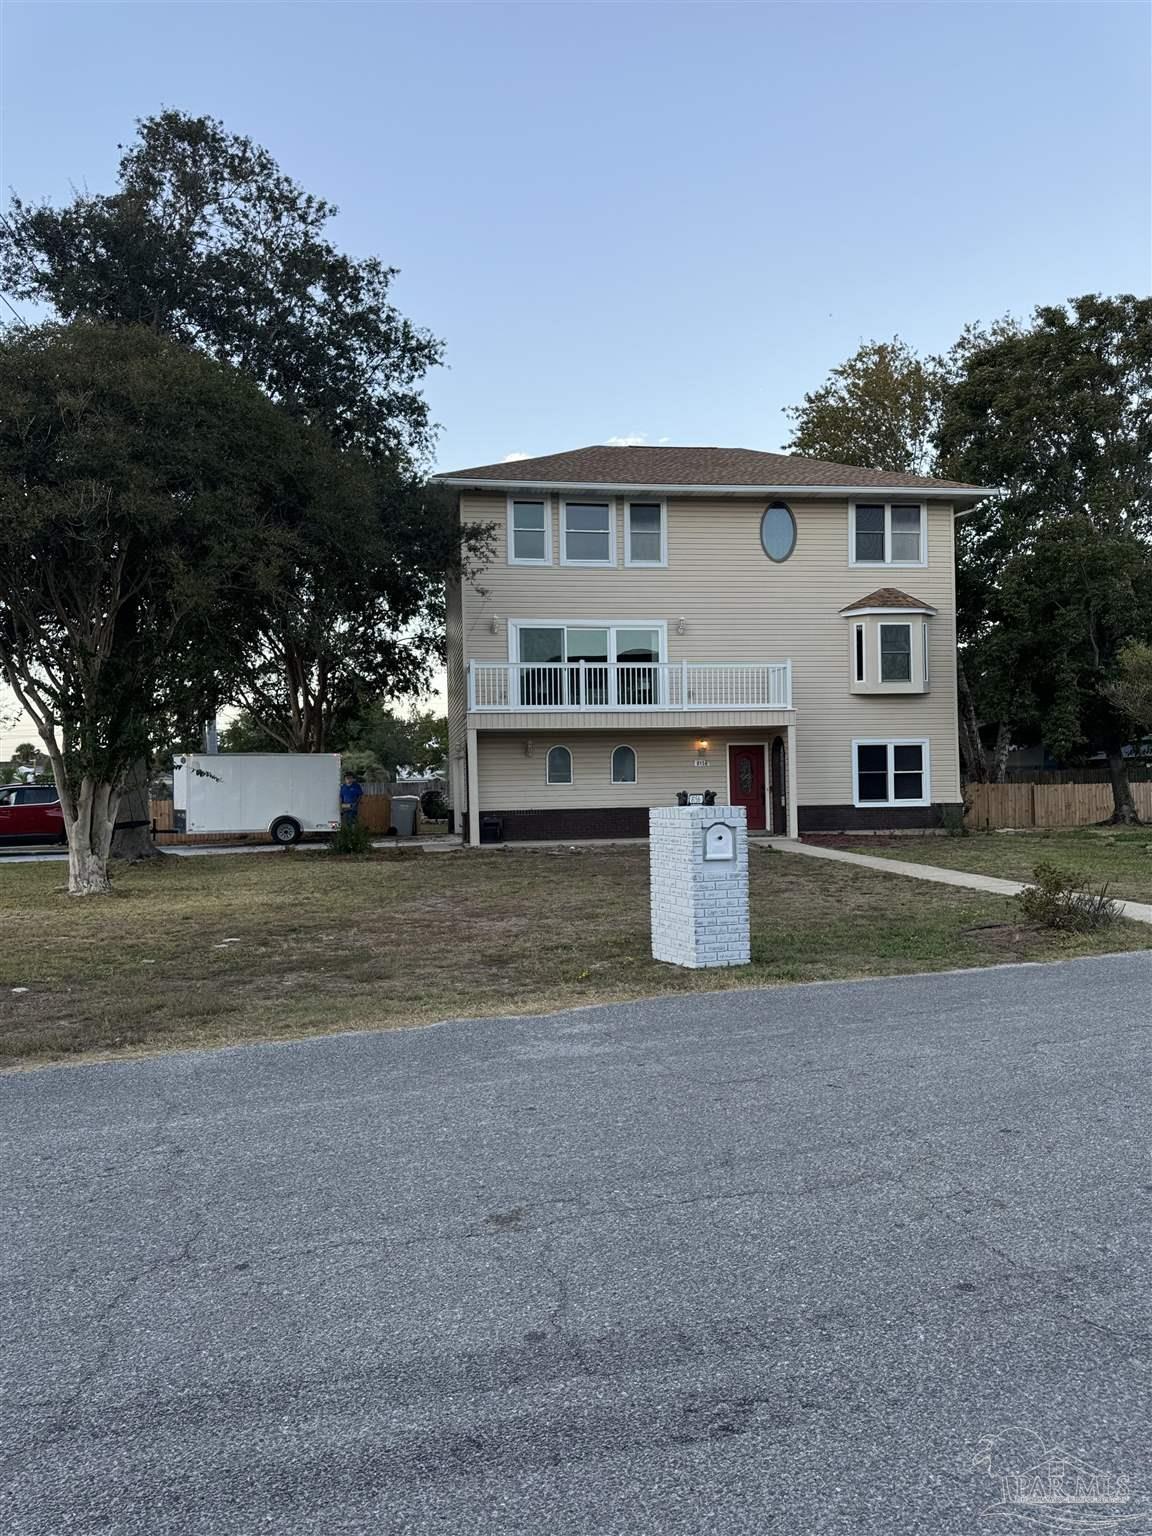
888	597
730	467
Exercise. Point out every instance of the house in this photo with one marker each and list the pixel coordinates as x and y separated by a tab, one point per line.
654	619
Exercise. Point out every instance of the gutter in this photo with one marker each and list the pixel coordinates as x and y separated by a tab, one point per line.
974	493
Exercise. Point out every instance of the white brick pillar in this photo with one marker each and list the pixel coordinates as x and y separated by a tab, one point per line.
698	878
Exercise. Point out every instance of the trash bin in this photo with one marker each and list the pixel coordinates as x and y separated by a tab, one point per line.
405	809
491	829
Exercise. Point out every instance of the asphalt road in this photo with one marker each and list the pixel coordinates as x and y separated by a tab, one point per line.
765	1262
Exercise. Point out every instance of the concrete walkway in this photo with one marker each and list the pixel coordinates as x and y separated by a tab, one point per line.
1136	911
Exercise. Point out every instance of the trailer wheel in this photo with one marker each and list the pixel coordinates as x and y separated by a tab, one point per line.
284	831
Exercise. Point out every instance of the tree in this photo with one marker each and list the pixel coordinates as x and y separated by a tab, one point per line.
141	487
877	410
1130	690
1060	414
206	240
376	744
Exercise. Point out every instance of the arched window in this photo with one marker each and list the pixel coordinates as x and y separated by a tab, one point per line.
624	766
559	765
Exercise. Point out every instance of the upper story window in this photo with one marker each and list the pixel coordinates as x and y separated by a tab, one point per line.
889	642
887	533
645	533
587	533
778	532
529	531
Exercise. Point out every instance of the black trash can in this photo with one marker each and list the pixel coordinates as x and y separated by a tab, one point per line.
491	829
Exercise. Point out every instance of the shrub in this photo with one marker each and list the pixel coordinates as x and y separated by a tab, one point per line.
952	820
352	839
433	805
1055	902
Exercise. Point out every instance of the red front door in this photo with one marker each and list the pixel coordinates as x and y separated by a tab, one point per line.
746	783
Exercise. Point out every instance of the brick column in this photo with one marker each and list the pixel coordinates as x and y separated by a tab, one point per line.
699	904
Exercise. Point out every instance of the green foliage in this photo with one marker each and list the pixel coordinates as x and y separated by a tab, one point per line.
1060	414
1131	688
352	839
878	410
952	820
416	744
206	240
1054	902
140	485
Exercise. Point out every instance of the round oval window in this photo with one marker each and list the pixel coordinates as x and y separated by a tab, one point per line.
778	531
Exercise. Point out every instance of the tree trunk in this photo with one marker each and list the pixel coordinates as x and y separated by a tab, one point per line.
1000	752
975	764
90	839
133	840
1124	807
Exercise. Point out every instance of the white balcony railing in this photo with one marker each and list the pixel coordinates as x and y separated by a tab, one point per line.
639	685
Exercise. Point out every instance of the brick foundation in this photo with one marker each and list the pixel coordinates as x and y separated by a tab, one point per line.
632	821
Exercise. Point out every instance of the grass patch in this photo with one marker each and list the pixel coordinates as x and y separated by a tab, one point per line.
220	950
1120	859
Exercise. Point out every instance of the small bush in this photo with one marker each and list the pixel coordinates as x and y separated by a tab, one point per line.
1055	902
352	839
952	820
433	805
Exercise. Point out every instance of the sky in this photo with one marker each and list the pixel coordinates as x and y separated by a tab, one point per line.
655	222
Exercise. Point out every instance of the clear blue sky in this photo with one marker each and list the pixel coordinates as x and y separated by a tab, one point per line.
664	221
661	220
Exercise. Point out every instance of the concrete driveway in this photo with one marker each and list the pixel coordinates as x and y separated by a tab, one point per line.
754	1262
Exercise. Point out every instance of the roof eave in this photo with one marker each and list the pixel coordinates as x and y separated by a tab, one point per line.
974	494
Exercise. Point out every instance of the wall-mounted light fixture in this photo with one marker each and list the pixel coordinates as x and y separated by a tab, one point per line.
529	748
702	744
494	624
681	626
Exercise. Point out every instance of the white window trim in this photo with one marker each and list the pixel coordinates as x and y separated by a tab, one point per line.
612	764
888	562
860	653
586	501
513	558
651	501
891	742
925	652
611	625
559	746
886	682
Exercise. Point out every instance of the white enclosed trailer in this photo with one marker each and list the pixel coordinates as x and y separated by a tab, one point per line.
282	793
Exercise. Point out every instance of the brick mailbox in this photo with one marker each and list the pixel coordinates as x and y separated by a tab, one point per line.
698	876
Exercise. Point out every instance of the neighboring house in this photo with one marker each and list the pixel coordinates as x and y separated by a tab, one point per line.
776	629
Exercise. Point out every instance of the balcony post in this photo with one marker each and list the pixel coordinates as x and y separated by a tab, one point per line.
583	683
684	684
471	687
473	770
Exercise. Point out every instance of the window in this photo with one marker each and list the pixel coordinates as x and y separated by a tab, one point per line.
559	765
644	534
886	533
588	536
529	532
624	766
858	650
895	653
890	772
573	666
778	532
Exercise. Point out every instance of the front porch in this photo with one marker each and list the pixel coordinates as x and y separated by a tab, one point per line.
561	775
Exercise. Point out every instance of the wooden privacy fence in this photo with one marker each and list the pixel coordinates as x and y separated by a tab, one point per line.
1046	805
375	813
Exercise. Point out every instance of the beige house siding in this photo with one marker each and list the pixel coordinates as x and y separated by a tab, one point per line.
739	606
457	696
510	779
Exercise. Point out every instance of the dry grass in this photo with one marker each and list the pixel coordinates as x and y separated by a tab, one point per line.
218	950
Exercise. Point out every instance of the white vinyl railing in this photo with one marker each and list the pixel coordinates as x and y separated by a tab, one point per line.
647	685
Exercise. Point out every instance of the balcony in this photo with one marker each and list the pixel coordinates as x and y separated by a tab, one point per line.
634	687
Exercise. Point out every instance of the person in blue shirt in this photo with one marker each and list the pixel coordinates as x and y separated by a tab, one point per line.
350	793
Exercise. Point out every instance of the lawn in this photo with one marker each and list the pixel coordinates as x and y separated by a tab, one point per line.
218	950
1122	859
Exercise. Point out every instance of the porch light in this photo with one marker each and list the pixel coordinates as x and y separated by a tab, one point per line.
494	624
702	744
681	626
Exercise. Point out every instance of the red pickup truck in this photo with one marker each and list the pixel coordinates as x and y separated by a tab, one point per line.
30	813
